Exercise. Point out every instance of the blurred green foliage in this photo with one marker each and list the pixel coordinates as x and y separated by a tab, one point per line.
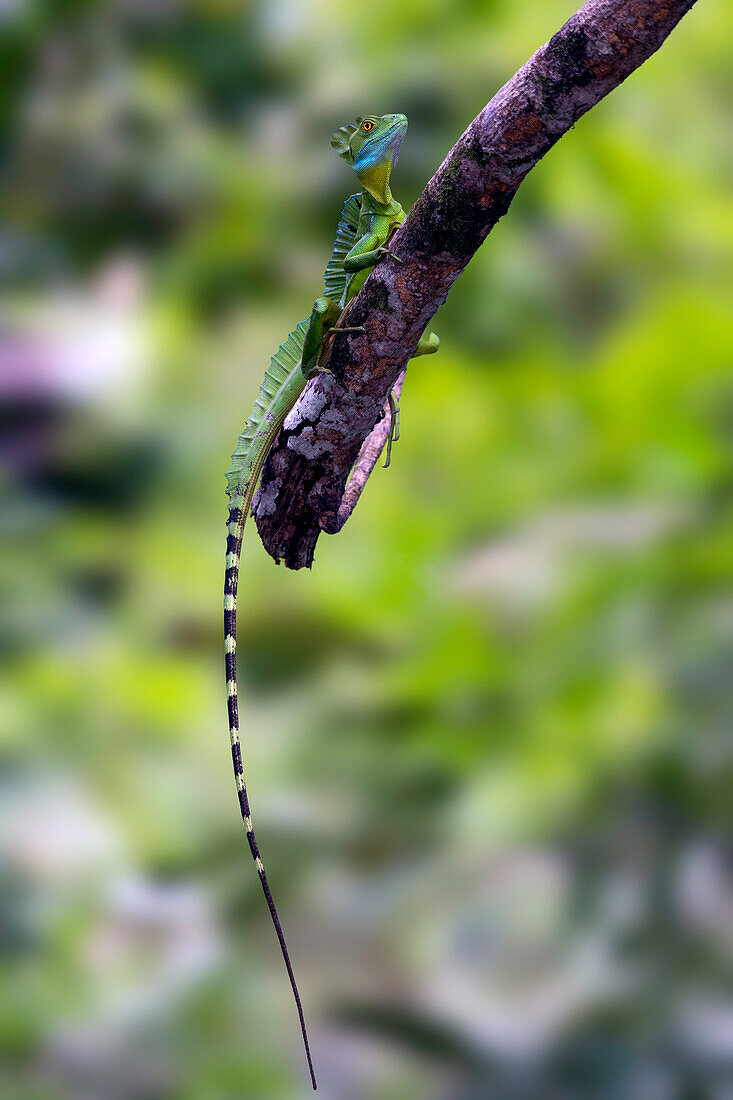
491	772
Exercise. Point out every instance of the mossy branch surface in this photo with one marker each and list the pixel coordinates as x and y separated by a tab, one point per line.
305	477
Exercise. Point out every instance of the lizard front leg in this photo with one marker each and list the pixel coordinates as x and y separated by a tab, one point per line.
369	258
369	250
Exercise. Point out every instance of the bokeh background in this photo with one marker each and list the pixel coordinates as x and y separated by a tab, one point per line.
487	737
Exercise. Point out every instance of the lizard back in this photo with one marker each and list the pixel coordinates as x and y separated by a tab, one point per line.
286	361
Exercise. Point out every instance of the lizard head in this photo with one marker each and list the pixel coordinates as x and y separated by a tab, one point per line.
372	147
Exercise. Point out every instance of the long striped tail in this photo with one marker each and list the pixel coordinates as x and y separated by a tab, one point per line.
237	518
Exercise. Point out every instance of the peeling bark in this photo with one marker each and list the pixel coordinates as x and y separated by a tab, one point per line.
303	484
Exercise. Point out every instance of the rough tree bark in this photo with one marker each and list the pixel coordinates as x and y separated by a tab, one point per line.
303	485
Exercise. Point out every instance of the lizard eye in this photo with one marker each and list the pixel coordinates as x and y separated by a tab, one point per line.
367	125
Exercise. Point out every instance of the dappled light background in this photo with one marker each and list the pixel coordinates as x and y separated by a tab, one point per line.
487	736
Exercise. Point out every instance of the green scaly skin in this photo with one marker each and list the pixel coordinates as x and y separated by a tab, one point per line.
367	221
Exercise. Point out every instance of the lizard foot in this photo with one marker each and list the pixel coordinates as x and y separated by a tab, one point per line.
394	427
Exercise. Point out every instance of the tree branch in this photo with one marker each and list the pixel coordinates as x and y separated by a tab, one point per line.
371	449
303	483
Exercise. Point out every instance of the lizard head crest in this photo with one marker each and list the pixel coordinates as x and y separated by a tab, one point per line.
372	147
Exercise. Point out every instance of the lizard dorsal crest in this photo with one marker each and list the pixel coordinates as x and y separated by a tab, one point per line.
340	140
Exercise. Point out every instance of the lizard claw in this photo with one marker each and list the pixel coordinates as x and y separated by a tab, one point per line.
387	252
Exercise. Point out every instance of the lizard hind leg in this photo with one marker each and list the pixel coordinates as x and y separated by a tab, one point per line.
324	314
394	426
428	344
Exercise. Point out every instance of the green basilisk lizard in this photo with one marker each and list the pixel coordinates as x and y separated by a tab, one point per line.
368	219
